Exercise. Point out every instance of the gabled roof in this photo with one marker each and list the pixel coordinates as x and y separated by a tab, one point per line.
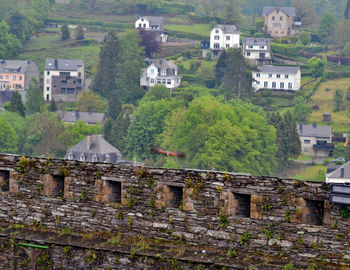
87	117
63	64
279	69
154	20
100	148
256	41
227	29
314	131
337	173
14	65
290	11
161	63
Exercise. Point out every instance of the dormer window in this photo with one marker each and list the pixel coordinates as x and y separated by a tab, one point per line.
142	20
273	18
94	158
262	47
278	75
216	31
163	72
152	71
107	158
70	155
82	157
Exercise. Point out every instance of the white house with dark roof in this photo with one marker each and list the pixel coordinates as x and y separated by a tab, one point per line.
154	24
279	21
315	140
257	50
63	79
340	175
283	78
223	37
159	71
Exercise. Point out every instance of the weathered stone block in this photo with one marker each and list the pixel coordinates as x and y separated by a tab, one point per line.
13	182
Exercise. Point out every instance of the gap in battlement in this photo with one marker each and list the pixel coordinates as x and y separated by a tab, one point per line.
176	194
116	191
316	212
4	180
243	205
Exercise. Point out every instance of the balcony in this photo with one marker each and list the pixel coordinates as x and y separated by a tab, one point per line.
329	146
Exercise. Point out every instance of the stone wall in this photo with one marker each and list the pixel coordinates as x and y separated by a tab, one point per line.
203	219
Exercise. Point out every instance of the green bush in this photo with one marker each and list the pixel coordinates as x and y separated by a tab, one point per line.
293	50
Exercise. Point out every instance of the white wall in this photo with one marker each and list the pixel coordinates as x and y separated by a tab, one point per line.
150	79
144	23
224	40
259	82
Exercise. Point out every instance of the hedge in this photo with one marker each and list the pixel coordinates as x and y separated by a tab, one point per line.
192	36
92	23
293	50
194	79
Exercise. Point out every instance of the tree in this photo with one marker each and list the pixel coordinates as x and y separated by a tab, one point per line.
104	81
9	44
130	66
35	101
301	110
341	35
79	130
347	10
22	25
338	100
317	67
347	49
304	38
8	138
233	75
232	11
65	34
149	42
41	130
114	105
52	107
16	104
90	101
327	25
79	32
305	12
232	136
157	92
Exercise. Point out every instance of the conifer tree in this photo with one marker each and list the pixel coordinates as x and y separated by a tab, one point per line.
79	32
16	104
114	105
52	107
65	34
35	101
347	10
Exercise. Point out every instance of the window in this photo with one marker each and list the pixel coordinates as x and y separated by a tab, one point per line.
257	82
70	155
107	158
82	157
47	97
20	78
142	20
274	85
262	55
63	90
159	81
216	45
94	158
48	88
1	77
277	25
217	31
273	18
227	45
152	80
152	71
262	47
258	75
70	90
290	85
251	47
144	25
63	81
48	72
7	77
281	18
243	205
140	25
54	186
266	84
163	81
248	53
278	75
307	141
286	76
216	37
281	85
228	38
4	180
14	78
64	73
163	72
176	195
270	75
168	81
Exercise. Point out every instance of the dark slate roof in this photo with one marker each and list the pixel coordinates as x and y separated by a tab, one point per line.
228	29
63	64
5	96
161	63
290	11
250	41
279	69
337	173
155	21
314	131
100	148
87	117
14	65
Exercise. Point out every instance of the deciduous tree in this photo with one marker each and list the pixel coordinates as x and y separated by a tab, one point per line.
301	110
8	138
9	44
317	67
304	38
338	100
149	42
327	25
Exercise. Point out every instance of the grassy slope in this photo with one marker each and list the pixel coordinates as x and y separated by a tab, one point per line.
311	173
201	29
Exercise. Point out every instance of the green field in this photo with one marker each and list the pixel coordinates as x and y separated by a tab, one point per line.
312	173
200	29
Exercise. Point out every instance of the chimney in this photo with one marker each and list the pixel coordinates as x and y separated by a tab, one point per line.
56	64
89	112
300	127
76	114
342	173
90	139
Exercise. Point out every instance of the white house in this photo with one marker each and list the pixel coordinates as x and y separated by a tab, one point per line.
159	71
339	175
315	140
257	50
223	37
284	78
154	24
63	79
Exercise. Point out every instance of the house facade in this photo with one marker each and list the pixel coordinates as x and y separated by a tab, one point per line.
282	78
159	71
278	21
341	174
223	37
63	79
315	140
16	75
257	50
153	23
